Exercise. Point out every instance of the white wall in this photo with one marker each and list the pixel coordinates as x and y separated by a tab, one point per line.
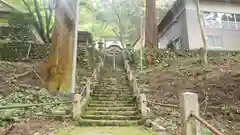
215	6
230	38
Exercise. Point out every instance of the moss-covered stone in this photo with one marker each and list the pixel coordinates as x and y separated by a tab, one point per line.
88	122
122	113
110	117
113	103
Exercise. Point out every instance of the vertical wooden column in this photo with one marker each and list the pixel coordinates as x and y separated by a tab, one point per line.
61	56
77	106
189	104
143	101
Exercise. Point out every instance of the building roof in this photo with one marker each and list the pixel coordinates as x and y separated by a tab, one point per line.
15	4
177	7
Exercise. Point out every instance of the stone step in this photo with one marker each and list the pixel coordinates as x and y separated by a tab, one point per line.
112	95
89	122
113	89
111	108
113	92
111	102
110	117
111	105
123	113
112	98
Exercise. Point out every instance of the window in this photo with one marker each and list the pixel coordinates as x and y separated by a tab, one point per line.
214	42
237	21
221	20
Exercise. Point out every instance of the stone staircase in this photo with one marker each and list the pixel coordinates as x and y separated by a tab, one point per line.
112	102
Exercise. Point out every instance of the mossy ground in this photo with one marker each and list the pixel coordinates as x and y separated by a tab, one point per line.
108	131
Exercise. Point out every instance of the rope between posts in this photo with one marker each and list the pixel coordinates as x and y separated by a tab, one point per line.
198	118
209	126
33	105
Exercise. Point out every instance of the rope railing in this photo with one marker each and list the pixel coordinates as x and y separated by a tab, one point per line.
189	108
141	98
82	99
33	105
78	104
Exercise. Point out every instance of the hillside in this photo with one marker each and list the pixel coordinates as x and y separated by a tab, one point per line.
217	85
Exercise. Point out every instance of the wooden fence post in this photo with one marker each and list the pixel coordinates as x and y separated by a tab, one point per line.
77	106
130	76
189	104
88	88
143	102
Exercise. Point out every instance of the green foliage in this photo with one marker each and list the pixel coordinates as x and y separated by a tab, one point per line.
29	96
205	131
38	14
20	27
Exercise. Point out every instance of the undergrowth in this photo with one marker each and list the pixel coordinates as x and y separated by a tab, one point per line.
29	96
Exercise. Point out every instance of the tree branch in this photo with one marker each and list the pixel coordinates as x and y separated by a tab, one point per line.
41	26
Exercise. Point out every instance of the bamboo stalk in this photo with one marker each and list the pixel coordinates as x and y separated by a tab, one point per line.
32	105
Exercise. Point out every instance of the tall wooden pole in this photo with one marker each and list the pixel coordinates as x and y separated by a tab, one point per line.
74	63
151	24
142	33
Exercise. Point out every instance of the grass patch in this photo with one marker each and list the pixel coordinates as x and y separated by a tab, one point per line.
108	131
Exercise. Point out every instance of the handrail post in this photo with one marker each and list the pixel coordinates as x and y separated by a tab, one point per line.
88	88
143	102
130	76
189	105
77	106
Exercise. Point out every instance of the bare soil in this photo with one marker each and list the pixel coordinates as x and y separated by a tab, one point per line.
25	74
18	73
217	85
36	126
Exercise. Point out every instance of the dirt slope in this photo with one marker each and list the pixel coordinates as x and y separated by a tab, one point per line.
217	85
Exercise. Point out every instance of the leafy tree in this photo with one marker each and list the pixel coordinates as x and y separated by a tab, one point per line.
41	13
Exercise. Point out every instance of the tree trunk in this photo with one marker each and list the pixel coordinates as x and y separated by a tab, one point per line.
150	29
151	24
60	59
200	20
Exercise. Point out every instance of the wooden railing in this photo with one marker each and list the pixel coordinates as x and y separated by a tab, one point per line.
81	100
191	120
141	97
189	108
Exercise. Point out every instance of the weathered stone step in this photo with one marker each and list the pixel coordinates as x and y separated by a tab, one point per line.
111	108
123	113
89	122
112	105
113	92
112	95
113	98
111	102
110	117
113	89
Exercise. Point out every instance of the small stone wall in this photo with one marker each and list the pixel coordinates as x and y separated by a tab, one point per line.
17	51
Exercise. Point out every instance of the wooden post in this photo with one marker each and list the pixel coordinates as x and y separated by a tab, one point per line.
114	66
189	104
88	88
130	76
143	102
77	106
